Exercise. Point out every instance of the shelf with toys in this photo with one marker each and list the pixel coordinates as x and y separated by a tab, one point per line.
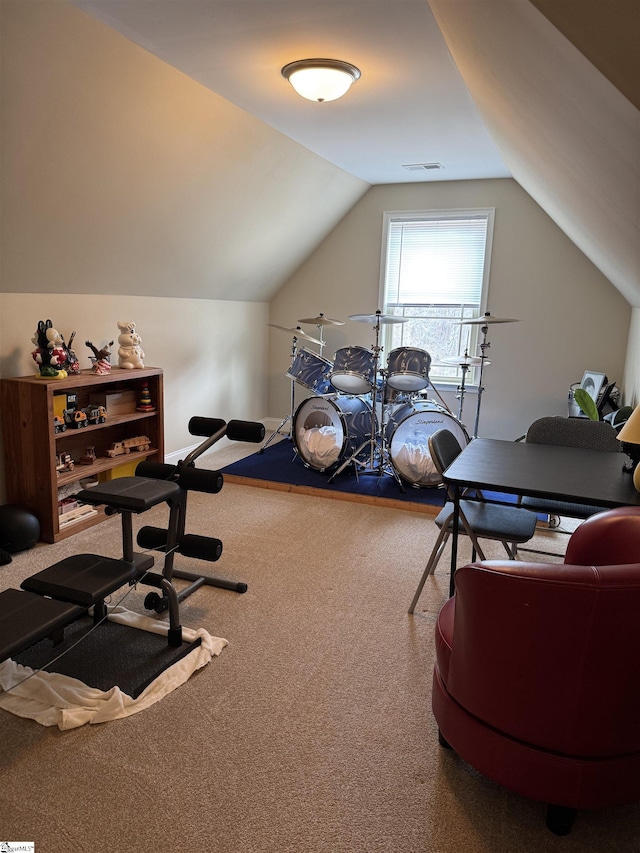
50	444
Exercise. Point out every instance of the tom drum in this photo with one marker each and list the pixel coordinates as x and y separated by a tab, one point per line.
328	430
408	369
312	371
407	434
353	370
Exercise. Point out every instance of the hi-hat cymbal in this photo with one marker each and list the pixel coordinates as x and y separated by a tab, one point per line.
377	318
297	332
461	360
486	320
321	320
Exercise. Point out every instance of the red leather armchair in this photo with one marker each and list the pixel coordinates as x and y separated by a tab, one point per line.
537	674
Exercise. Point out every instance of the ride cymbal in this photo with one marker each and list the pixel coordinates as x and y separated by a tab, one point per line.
321	320
298	332
486	320
377	318
461	360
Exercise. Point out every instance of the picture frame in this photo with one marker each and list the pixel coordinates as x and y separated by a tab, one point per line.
592	383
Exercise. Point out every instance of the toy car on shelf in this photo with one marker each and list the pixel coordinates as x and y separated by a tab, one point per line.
75	418
64	462
140	442
95	414
58	424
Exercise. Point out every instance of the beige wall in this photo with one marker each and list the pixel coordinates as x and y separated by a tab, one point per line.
571	318
121	175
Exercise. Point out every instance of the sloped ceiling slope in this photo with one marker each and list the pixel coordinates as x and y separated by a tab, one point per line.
568	135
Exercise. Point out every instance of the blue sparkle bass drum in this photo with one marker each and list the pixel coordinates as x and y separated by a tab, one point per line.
327	430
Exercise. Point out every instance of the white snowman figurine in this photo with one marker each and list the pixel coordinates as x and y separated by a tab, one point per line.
130	354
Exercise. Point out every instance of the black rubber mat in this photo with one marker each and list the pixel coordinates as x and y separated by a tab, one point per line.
112	655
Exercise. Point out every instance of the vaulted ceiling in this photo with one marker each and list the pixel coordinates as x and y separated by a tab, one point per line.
546	91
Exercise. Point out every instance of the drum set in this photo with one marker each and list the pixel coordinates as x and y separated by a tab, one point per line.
373	417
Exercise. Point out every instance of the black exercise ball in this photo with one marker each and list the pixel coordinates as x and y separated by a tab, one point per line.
19	528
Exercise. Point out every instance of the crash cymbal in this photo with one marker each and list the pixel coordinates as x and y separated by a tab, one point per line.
321	320
486	320
461	360
297	332
377	318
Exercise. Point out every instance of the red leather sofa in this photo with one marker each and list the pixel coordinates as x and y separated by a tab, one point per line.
537	674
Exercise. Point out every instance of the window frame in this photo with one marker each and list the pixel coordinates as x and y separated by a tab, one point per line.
446	382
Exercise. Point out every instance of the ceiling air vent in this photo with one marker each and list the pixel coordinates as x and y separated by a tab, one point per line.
422	167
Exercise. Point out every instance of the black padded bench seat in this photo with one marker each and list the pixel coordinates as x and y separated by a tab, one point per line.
131	494
85	579
26	619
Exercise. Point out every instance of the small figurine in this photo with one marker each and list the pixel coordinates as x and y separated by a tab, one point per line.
89	457
72	365
130	354
102	358
49	354
144	403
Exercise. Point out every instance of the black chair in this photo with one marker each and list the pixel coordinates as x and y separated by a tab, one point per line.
569	432
508	524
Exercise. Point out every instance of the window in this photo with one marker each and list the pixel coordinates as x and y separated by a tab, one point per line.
435	271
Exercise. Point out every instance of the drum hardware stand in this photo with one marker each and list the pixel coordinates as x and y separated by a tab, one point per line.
484	322
374	442
288	418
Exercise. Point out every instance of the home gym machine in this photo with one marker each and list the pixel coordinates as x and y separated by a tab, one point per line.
52	598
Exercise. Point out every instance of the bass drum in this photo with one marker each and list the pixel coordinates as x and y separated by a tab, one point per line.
407	435
326	430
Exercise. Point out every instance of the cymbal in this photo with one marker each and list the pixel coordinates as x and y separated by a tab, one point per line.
297	332
321	320
461	360
486	320
378	318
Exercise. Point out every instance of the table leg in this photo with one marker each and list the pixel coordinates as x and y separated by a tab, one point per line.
454	538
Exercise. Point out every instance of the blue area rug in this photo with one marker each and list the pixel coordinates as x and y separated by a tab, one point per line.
280	467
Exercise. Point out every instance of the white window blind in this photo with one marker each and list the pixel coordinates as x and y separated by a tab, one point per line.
435	274
436	262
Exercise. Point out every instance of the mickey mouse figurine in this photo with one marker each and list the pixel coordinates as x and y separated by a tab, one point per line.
50	354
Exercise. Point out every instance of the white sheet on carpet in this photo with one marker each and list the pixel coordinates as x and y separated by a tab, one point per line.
52	699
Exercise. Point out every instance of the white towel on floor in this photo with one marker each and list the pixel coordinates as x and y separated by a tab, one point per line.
52	699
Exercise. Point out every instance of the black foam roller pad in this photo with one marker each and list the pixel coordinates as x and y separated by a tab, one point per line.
199	480
206	426
200	547
156	471
245	431
152	538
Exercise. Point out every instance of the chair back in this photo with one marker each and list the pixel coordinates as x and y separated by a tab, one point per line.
574	432
444	448
549	654
608	538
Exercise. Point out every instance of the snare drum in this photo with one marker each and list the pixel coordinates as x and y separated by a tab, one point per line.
328	430
312	371
408	369
353	370
407	434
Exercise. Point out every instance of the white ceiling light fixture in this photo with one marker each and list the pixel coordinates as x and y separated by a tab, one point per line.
321	79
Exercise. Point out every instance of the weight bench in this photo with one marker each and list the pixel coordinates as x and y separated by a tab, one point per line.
27	618
88	579
58	595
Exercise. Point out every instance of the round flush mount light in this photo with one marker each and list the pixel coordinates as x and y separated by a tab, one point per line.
321	79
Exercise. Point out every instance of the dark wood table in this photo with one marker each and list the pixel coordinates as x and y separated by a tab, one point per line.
542	471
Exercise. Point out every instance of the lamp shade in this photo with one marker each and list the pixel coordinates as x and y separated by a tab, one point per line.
321	79
630	432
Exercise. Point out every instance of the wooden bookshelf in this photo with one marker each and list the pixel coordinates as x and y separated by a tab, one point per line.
31	444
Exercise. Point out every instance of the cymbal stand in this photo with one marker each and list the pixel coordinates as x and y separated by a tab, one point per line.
464	367
288	418
483	356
